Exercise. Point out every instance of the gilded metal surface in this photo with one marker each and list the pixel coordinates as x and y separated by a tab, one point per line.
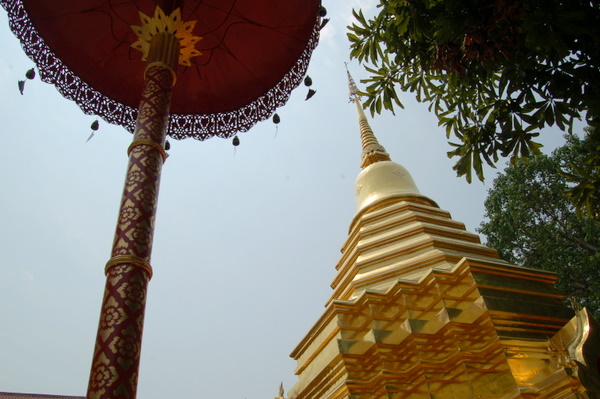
382	181
130	260
151	143
164	49
116	356
431	339
421	309
576	349
372	151
401	324
172	24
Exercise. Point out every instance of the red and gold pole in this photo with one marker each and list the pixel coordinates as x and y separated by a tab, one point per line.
116	357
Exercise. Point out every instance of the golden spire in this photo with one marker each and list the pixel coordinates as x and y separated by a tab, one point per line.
281	392
372	151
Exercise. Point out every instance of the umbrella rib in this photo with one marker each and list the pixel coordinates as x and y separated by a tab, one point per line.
227	12
82	11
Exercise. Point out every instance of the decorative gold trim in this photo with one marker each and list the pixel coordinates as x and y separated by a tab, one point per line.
161	64
164	53
151	143
130	260
171	25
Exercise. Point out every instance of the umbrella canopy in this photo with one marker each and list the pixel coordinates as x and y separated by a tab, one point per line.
253	54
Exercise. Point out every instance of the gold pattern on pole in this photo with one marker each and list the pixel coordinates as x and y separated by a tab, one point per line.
151	143
129	260
171	25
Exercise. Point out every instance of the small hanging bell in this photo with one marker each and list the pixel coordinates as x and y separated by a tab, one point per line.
95	125
235	142
30	74
307	81
167	145
322	11
276	120
310	93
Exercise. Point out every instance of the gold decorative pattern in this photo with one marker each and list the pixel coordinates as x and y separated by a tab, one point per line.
172	24
116	356
118	344
151	143
131	260
138	205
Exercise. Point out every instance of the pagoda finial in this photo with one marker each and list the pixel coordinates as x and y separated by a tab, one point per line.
281	392
372	151
352	89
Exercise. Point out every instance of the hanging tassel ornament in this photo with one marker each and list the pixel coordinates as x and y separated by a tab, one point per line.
276	120
30	74
308	83
94	127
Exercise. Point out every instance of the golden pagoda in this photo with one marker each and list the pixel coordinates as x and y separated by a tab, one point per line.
421	309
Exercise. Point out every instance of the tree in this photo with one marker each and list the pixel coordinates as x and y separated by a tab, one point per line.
585	175
494	72
531	223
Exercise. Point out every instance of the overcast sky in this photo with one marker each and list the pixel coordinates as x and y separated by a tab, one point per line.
246	242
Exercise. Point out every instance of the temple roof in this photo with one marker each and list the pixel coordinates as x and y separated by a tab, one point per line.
13	395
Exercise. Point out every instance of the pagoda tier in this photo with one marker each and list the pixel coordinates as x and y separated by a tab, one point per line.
422	310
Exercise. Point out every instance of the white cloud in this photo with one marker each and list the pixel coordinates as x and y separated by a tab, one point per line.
366	6
329	34
27	274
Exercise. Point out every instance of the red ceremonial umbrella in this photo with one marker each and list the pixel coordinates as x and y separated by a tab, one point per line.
184	68
253	54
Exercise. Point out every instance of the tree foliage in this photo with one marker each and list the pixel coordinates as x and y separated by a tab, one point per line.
585	175
494	72
531	222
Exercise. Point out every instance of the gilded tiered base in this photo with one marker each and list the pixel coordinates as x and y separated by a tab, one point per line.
422	310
